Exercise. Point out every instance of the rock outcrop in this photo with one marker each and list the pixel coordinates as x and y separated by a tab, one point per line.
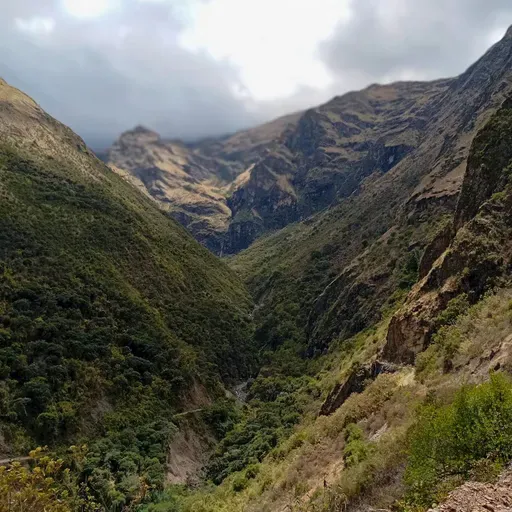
480	253
480	497
355	383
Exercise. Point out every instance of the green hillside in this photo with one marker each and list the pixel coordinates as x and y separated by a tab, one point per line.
110	313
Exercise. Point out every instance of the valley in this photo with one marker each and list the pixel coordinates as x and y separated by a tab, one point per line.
313	315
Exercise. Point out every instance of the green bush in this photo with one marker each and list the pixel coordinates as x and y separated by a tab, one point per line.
449	443
356	449
240	483
456	307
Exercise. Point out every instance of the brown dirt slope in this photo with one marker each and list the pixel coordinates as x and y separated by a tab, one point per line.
480	497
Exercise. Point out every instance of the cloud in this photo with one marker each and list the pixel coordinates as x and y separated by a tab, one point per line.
194	68
272	41
104	76
36	25
413	39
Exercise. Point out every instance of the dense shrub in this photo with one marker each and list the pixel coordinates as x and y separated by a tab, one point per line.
275	404
356	448
449	442
109	313
47	486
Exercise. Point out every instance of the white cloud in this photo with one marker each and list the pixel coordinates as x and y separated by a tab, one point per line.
36	25
272	42
192	68
88	9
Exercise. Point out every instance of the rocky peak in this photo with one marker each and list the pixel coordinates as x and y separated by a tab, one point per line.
140	133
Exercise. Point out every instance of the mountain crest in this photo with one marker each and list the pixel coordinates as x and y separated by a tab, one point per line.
141	131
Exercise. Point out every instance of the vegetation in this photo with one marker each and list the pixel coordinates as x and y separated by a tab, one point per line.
451	442
109	314
356	448
114	323
277	399
50	485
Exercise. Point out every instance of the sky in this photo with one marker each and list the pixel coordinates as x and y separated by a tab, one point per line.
196	68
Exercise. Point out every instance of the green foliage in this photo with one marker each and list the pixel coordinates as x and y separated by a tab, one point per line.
221	417
455	308
356	448
48	485
276	400
409	270
451	442
169	500
262	427
440	354
240	482
109	312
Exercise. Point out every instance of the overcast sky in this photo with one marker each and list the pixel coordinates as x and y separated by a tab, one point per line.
194	68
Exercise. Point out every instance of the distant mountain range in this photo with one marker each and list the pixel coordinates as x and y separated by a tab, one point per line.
229	191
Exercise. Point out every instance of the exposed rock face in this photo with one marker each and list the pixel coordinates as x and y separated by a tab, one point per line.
180	182
356	383
480	253
229	191
192	181
341	266
435	249
491	155
282	172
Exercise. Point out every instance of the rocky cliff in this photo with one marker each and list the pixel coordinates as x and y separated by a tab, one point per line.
192	182
343	267
478	255
229	191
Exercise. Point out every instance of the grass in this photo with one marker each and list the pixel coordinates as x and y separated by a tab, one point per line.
367	453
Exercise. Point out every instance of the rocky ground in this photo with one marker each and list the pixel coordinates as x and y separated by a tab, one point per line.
480	497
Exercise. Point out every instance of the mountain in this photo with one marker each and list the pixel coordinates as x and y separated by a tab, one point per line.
412	412
474	254
193	182
386	321
230	191
264	179
113	319
341	269
372	372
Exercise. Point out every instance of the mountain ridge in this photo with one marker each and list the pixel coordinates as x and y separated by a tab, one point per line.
357	240
298	164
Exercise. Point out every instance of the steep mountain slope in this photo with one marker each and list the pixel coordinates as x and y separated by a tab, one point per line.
343	268
381	436
112	318
328	154
476	254
230	191
192	182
